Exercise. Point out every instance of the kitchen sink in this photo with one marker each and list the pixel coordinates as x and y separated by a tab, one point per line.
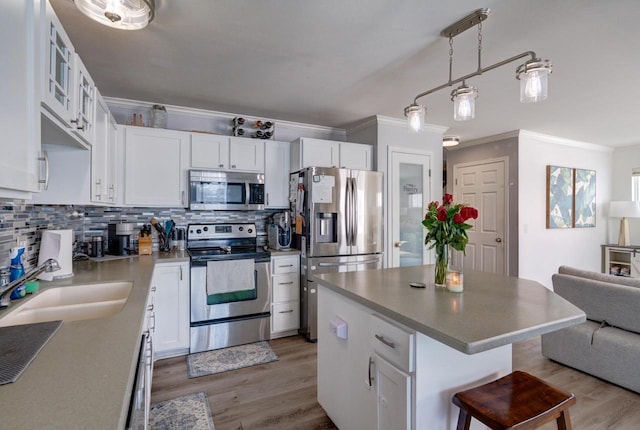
73	303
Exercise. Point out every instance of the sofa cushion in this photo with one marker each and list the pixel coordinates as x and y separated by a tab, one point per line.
608	353
601	301
596	276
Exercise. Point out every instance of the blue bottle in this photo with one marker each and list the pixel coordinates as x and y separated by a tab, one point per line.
16	271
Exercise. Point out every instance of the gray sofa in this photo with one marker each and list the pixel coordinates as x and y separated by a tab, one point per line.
607	345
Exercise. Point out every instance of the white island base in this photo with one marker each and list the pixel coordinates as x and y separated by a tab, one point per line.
387	376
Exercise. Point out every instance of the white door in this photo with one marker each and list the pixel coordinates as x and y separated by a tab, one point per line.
481	185
409	194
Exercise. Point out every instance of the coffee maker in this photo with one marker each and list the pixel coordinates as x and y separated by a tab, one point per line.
119	238
279	231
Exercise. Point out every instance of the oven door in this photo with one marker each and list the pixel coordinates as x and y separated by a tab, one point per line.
255	301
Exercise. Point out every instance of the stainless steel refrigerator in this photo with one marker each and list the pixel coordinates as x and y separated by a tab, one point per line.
339	228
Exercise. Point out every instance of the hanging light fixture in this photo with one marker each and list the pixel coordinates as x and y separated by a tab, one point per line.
532	75
120	14
464	102
415	114
448	141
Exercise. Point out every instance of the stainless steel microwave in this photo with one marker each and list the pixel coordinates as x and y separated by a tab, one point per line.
215	190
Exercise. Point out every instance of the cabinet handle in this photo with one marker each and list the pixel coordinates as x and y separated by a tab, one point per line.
370	377
233	166
44	157
285	283
153	289
98	185
181	273
286	312
221	165
112	192
150	308
182	198
76	122
267	199
286	265
385	341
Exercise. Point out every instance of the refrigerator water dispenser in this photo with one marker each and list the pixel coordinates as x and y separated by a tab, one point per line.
326	227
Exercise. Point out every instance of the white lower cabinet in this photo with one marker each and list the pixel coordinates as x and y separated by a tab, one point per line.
393	395
171	308
285	295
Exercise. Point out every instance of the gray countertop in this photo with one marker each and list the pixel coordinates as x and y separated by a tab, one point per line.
83	376
492	310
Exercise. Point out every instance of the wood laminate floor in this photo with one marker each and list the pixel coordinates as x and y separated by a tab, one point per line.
282	395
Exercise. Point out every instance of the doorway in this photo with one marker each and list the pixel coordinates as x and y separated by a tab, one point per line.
481	184
409	185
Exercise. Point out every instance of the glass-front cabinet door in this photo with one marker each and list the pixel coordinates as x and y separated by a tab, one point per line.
85	94
59	55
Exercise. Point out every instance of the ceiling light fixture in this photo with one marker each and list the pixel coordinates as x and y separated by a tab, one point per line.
120	14
448	141
532	75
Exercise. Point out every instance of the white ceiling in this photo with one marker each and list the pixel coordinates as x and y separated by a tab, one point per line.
335	62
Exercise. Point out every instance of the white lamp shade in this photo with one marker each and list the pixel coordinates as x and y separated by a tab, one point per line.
120	14
624	209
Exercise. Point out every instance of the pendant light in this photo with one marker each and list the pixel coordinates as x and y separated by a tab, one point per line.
120	14
464	102
532	75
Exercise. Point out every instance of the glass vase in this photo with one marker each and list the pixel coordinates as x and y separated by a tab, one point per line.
442	264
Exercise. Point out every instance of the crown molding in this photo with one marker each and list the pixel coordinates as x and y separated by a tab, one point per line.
566	142
210	114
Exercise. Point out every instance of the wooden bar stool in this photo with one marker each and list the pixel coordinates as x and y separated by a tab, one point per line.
516	401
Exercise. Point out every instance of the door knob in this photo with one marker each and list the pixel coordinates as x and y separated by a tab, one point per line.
498	239
399	243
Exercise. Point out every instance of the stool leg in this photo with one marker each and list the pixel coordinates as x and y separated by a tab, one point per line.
564	421
464	420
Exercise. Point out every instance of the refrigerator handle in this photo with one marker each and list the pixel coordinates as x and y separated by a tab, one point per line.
347	211
354	215
350	263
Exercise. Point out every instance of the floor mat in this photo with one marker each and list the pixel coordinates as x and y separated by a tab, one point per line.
235	357
188	412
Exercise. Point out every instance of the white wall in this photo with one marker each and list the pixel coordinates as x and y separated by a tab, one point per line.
542	250
624	161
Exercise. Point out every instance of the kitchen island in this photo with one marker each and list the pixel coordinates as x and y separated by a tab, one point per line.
392	356
83	377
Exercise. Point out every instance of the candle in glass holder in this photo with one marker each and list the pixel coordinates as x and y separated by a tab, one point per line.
455	281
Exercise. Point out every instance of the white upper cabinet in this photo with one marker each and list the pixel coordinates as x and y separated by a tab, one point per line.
58	69
246	155
226	153
209	151
308	152
156	163
276	174
20	106
85	102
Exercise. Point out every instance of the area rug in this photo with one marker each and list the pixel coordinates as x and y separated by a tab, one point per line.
189	412
235	357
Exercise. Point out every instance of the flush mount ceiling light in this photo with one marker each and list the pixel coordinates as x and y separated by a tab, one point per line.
450	141
532	75
121	14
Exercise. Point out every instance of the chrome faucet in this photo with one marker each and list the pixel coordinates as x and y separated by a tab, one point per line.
51	265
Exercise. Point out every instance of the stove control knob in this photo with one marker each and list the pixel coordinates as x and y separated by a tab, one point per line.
240	228
206	228
198	231
250	231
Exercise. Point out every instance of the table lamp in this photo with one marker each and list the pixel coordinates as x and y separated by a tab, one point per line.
624	210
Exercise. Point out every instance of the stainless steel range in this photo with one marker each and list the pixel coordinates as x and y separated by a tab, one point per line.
230	298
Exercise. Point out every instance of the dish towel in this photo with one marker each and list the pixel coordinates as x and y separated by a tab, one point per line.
228	276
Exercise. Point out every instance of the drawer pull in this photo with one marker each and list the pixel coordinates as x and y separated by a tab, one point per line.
286	312
285	283
385	341
286	265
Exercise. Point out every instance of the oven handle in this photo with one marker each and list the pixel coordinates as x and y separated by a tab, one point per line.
349	263
247	193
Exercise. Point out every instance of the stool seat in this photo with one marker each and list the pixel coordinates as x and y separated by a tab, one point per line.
516	401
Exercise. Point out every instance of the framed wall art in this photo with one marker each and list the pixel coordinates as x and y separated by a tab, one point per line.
571	197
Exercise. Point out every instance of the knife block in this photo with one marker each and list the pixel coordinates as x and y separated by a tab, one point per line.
145	245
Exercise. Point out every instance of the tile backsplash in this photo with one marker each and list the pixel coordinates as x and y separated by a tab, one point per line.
24	222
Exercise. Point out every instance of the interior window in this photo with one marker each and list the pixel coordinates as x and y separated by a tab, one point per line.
635	184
